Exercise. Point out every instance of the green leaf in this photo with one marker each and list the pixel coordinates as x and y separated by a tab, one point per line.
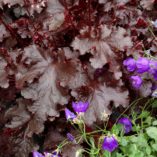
154	146
119	155
148	150
139	154
123	141
155	122
148	120
116	129
107	154
144	114
92	142
136	128
154	104
140	140
152	132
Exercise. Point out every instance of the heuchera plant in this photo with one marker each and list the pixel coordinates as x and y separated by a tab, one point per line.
55	52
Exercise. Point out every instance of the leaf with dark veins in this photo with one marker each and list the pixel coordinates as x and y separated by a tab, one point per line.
23	146
71	74
10	3
32	57
18	114
56	15
46	95
4	82
71	150
148	5
4	33
102	50
100	100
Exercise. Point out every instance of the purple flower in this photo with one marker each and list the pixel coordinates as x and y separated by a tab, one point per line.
55	154
37	154
154	94
142	65
154	23
80	106
136	81
70	137
155	75
126	124
130	64
110	143
153	69
69	114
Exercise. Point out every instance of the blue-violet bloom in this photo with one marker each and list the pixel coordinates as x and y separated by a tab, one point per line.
80	106
127	125
37	154
153	69
142	65
70	137
154	23
110	143
69	114
54	154
136	81
130	64
154	94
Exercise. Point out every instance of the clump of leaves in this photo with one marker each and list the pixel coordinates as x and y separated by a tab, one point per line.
53	52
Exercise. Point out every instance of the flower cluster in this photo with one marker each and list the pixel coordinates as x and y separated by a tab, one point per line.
78	107
110	143
140	66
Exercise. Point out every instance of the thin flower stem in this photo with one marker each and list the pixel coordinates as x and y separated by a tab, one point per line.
94	132
84	134
132	104
105	127
147	107
150	29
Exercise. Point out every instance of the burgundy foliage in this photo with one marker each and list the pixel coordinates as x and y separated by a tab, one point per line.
54	52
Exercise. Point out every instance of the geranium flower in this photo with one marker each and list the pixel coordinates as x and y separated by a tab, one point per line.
80	106
154	23
37	154
54	154
142	65
70	137
69	114
110	143
136	81
127	125
153	69
154	94
130	64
